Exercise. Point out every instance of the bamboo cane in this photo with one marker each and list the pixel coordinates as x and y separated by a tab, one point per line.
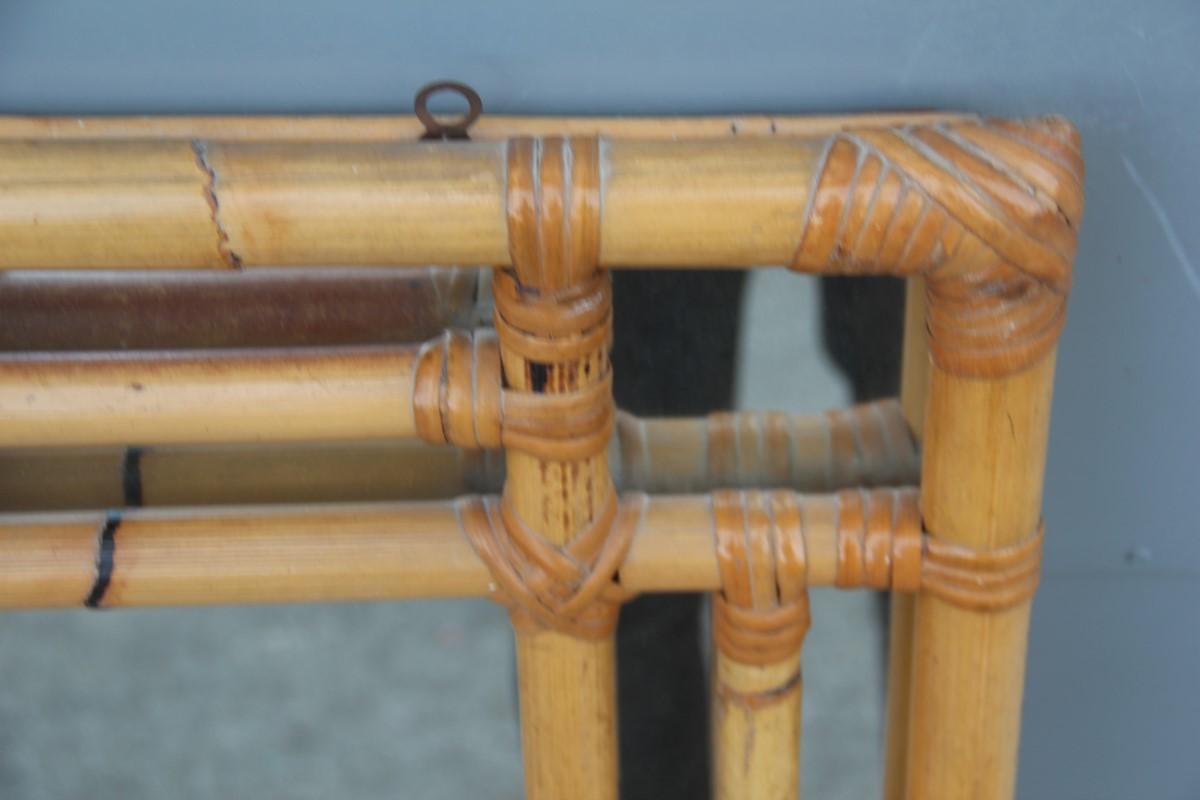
123	204
985	449
552	344
198	396
78	479
914	382
405	127
868	445
756	750
757	696
770	548
151	204
151	397
169	310
310	553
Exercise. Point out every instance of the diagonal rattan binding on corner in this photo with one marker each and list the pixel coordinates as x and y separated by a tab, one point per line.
986	210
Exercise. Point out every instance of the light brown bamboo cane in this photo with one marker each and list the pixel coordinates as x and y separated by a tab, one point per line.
770	549
406	127
566	683
198	396
756	751
309	553
985	449
77	479
914	383
169	309
868	445
147	204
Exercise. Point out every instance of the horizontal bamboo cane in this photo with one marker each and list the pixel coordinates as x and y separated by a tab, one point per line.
173	397
406	127
198	396
322	553
734	202
168	309
146	204
867	445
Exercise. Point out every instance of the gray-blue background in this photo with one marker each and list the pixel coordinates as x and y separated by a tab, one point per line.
1112	705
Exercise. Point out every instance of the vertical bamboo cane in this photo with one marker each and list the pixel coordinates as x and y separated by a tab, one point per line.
914	384
759	622
985	447
567	684
988	212
756	751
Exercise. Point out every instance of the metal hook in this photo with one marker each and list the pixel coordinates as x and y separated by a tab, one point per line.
456	127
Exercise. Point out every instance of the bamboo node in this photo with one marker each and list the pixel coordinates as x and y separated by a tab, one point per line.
987	210
572	588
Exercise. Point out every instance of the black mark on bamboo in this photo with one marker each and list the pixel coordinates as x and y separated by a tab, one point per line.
105	550
131	477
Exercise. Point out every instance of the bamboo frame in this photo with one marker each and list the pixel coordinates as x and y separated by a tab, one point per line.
985	211
868	446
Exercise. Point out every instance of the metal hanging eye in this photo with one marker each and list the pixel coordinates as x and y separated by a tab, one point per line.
455	127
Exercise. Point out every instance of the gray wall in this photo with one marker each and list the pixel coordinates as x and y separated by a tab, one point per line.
1112	707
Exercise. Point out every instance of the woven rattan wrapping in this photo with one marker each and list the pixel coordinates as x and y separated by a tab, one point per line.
982	580
554	324
570	589
760	616
986	210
